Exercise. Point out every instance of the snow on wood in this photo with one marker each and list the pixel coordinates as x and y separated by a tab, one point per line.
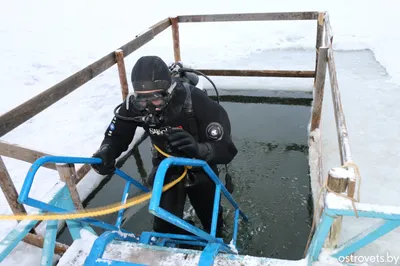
316	170
339	172
336	202
79	250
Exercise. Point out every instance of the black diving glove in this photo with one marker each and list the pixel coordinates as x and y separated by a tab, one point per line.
181	141
106	155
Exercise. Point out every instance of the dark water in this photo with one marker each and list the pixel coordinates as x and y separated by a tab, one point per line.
271	176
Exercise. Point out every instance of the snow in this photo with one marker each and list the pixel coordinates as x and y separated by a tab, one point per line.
340	203
233	247
79	250
341	173
45	41
369	99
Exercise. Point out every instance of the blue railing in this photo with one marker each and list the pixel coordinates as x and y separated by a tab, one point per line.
25	199
62	203
156	210
212	244
389	214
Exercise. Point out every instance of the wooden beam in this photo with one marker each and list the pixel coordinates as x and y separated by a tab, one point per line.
318	94
351	188
37	104
249	17
68	175
319	39
119	56
343	138
259	73
338	179
22	153
82	171
38	241
175	38
316	173
328	31
9	191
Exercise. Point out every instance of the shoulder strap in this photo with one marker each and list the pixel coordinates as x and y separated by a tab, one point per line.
189	112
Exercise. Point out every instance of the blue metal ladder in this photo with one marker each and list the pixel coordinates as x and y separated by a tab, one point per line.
62	203
213	245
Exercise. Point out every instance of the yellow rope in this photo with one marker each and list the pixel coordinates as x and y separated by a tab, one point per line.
94	212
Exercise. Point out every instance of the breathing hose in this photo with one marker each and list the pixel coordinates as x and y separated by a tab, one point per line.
184	69
95	212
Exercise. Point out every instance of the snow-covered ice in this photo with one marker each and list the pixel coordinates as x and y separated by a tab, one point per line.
43	42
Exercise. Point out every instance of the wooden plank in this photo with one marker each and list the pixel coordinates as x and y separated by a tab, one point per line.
319	39
82	171
68	175
338	179
317	180
9	191
328	31
319	88
351	189
343	138
38	241
259	73
119	56
249	17
337	183
175	38
37	104
22	153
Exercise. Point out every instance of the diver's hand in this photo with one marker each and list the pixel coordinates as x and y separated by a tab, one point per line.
106	155
181	141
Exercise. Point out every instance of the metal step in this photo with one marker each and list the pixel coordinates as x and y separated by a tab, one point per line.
142	254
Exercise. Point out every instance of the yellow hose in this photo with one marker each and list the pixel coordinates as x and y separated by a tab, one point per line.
99	211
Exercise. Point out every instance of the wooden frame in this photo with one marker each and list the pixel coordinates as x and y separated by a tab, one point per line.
324	56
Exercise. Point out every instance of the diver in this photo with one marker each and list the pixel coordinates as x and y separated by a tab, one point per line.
182	121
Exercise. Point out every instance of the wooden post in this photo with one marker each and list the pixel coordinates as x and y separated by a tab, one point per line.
328	31
68	175
38	241
319	88
351	188
8	188
175	38
119	56
319	39
338	179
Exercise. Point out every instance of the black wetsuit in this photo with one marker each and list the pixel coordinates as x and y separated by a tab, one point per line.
120	134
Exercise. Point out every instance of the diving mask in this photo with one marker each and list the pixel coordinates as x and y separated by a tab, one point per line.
151	102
